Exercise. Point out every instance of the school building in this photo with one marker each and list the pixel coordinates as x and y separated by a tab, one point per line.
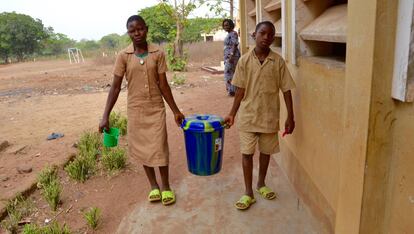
351	157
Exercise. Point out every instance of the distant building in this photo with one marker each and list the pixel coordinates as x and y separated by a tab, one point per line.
218	35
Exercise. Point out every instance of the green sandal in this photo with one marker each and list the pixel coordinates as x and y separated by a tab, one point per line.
245	202
168	197
267	193
154	195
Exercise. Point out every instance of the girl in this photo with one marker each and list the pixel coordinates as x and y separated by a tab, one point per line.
144	67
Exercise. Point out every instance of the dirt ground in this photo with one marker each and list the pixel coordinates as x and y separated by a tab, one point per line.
39	98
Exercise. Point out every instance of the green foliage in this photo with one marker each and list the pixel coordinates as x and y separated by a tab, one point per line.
178	80
111	41
161	26
175	63
46	176
81	168
20	35
217	6
196	26
84	164
113	159
51	193
53	228
92	217
31	229
16	209
88	45
89	144
48	180
56	43
117	120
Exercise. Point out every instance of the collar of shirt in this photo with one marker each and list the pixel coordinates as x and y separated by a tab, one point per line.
271	56
151	48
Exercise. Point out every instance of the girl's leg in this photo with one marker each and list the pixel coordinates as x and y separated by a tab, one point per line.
164	178
263	165
150	172
248	174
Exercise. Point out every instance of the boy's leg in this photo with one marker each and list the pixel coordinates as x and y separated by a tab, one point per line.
263	165
248	174
150	172
248	141
164	178
268	144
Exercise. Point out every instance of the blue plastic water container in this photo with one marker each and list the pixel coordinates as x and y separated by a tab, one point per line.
204	143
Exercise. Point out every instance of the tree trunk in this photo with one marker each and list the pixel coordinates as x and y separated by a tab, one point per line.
178	43
231	9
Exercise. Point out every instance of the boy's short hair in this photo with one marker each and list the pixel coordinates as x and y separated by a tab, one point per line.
267	23
135	18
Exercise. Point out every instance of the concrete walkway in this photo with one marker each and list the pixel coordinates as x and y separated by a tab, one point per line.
205	205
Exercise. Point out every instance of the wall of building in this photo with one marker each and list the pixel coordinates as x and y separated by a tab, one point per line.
351	157
401	200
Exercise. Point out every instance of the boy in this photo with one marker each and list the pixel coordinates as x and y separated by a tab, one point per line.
259	75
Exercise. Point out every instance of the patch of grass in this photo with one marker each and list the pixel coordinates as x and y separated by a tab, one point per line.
11	223
113	159
178	80
117	120
81	168
89	144
92	217
53	228
46	176
16	209
51	193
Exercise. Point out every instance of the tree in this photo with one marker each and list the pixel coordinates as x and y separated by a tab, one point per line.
111	41
56	43
200	25
88	45
160	25
217	7
179	10
20	35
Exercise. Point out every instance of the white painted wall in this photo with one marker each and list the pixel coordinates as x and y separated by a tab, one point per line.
402	49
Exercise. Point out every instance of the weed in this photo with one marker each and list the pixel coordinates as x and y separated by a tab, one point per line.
16	209
117	120
46	176
113	158
92	217
53	228
89	144
81	168
175	63
178	80
51	193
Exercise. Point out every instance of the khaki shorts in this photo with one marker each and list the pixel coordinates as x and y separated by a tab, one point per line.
268	142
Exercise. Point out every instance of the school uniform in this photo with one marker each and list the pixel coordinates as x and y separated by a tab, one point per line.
258	115
147	130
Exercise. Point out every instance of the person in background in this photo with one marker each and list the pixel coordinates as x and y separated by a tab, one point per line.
231	54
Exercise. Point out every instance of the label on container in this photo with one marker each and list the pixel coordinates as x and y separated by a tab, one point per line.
219	144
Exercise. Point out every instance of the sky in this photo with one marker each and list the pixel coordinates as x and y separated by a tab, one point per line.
83	19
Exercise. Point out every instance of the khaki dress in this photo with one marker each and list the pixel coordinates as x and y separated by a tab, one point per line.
147	130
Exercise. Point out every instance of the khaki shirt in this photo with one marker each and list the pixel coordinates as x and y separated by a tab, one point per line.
142	78
259	109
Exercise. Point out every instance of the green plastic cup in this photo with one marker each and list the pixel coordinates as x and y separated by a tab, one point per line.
110	138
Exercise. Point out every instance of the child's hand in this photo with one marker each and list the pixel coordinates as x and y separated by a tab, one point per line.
103	125
179	118
289	125
229	121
